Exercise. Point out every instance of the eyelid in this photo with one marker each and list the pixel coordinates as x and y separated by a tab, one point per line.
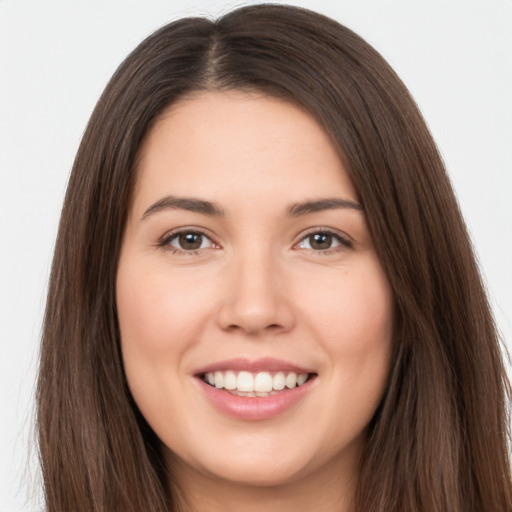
164	240
345	240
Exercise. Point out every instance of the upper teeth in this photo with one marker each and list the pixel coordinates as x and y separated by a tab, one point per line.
261	382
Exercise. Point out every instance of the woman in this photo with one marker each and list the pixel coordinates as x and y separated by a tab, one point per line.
263	294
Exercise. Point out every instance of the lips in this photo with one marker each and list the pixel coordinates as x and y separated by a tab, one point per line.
254	390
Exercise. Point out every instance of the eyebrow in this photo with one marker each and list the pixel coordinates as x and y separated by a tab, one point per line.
211	209
307	207
184	203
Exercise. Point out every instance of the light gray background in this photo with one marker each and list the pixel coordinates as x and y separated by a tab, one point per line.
56	57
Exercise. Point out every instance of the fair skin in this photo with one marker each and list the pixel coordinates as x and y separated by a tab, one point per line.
254	274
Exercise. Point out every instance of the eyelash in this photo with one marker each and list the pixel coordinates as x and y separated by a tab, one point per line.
165	241
343	241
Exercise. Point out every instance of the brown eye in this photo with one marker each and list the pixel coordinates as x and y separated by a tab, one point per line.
190	241
320	241
323	241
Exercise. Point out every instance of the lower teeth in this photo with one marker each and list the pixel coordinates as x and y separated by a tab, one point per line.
251	393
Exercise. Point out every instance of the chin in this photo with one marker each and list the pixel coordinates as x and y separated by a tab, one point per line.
261	468
256	473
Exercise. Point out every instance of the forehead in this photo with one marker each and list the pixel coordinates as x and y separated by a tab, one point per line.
227	144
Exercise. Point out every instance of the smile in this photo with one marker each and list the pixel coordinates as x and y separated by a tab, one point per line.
255	390
260	384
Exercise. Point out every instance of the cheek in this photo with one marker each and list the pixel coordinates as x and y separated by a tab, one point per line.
352	308
354	320
156	322
158	312
142	330
366	333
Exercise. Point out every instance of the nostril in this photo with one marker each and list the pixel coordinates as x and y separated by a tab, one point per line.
254	327
254	315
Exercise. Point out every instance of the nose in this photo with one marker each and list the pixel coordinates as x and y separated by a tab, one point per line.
255	299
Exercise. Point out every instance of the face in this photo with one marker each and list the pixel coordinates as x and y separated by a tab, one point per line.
255	317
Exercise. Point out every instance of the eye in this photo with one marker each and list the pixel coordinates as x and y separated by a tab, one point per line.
323	241
188	241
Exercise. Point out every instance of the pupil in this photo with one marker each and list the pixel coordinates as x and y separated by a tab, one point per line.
321	241
190	241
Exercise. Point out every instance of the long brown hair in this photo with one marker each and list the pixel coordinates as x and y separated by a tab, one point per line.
438	441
